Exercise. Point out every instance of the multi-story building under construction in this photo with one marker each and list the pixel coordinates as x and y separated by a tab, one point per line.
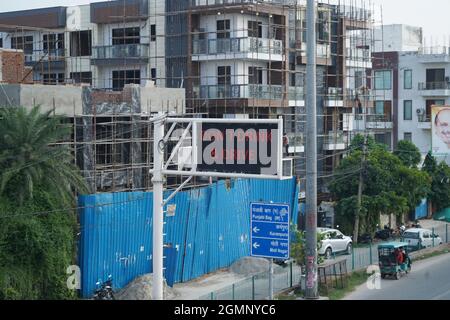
235	59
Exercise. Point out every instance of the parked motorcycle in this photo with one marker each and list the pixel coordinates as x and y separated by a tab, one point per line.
384	234
104	290
365	238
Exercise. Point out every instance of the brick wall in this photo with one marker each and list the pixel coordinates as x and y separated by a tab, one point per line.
112	97
13	69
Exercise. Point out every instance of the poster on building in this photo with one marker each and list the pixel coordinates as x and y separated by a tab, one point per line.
440	121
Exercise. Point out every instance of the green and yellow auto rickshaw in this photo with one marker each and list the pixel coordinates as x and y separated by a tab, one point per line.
394	259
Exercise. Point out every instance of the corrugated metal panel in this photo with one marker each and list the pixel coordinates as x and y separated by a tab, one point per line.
209	231
422	210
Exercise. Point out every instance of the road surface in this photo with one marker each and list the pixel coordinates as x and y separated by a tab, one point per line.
429	280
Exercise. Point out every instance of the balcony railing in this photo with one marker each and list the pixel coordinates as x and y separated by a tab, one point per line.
438	50
334	138
380	118
424	118
122	51
241	91
218	2
441	85
296	93
45	55
237	45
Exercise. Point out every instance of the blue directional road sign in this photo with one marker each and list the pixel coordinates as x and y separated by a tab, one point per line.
270	230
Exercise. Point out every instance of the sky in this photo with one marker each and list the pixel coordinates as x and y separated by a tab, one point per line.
432	15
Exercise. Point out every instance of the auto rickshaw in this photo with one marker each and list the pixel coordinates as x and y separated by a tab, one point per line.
393	259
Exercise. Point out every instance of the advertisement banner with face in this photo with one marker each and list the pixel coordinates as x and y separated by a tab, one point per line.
440	120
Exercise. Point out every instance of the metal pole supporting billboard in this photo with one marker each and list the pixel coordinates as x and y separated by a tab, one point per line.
270	279
158	218
311	291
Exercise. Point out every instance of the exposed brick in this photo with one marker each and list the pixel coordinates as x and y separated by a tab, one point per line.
13	69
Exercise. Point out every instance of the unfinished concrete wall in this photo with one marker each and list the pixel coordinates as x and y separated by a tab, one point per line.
63	100
154	99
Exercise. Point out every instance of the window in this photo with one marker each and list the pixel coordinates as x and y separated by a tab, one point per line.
23	43
153	74
407	79
383	80
429	104
223	29
53	78
153	32
407	110
80	43
407	136
254	29
224	75
255	75
1	42
359	78
379	107
52	42
81	77
126	36
123	77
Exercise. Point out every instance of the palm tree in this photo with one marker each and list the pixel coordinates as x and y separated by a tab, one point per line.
30	157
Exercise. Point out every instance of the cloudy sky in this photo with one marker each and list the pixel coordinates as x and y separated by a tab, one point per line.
432	15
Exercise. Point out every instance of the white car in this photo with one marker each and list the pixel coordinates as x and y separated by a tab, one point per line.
334	242
423	237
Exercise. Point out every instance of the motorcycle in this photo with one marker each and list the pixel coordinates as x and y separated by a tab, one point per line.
384	234
104	290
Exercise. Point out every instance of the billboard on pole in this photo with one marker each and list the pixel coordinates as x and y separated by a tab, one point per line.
440	122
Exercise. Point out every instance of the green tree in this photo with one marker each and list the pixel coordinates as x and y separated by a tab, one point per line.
37	224
408	153
389	187
29	155
439	193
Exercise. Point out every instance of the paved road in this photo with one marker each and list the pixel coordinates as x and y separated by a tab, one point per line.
429	280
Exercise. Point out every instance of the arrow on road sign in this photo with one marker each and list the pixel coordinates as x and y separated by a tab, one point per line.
256	230
256	245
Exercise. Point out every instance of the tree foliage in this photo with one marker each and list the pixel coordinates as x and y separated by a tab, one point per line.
37	226
440	187
27	156
389	186
408	153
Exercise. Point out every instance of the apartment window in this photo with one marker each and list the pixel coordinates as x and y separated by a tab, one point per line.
383	80
223	29
430	104
126	36
224	75
123	77
407	110
153	74
53	78
435	76
23	43
407	136
359	79
407	79
255	75
379	107
81	77
254	29
52	42
153	32
1	42
80	43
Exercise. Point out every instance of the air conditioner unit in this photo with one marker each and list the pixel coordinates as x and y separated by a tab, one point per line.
420	111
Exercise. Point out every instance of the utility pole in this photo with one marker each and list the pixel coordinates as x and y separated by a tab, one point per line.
311	291
158	218
360	192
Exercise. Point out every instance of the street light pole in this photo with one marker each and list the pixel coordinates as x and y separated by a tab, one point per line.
311	291
158	219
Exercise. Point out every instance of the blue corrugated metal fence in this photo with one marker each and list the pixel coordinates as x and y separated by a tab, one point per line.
209	231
